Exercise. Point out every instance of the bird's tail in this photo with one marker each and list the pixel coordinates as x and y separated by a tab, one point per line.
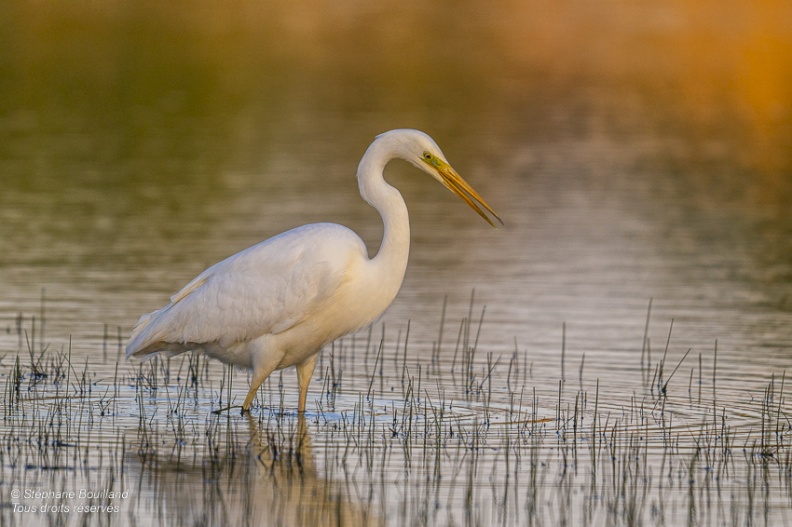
139	338
149	337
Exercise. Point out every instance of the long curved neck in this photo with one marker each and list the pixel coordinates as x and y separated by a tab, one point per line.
391	259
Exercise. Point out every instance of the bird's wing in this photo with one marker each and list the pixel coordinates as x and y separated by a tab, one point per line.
267	288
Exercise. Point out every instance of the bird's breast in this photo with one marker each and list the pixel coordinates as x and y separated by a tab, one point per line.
359	300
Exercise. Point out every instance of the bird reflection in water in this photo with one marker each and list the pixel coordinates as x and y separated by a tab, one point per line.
260	472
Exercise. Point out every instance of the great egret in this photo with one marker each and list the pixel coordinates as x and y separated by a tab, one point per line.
277	303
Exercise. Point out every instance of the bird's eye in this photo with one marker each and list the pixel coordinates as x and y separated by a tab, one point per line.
427	156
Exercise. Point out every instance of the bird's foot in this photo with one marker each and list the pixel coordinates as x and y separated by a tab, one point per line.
227	408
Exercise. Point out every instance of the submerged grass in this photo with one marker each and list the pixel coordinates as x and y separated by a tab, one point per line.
448	436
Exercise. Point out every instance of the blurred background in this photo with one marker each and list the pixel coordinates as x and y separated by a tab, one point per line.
635	151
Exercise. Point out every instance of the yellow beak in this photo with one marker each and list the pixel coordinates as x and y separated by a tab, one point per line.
454	182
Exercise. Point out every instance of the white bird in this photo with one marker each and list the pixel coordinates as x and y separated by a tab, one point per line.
278	303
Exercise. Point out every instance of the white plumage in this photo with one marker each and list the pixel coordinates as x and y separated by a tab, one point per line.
277	303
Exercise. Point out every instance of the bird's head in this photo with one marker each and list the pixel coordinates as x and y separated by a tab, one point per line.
421	150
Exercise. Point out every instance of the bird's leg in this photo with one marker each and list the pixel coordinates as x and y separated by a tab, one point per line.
254	386
305	371
260	373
